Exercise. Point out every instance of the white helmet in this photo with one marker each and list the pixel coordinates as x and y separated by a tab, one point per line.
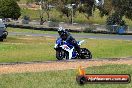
61	29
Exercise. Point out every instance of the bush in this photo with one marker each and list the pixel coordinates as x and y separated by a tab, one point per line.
9	9
90	29
114	22
53	24
25	20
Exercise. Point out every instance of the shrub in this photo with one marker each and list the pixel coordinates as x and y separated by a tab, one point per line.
89	29
53	24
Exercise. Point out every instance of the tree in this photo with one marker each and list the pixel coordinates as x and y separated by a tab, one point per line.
116	9
83	6
123	7
30	1
17	0
46	6
87	6
9	9
67	8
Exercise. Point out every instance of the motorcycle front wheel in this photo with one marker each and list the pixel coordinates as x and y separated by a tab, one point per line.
60	54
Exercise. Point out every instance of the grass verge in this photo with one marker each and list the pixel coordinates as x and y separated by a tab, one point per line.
19	30
30	31
29	48
62	79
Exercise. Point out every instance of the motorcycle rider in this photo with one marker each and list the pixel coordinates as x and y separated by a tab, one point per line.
66	36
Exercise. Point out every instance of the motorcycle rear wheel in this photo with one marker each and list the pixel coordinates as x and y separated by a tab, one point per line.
85	54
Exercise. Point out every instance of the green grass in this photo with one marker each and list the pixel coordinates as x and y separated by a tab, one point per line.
28	48
33	14
62	79
23	1
20	48
19	30
109	48
30	31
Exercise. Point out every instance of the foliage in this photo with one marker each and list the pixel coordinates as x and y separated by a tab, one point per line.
89	29
119	8
25	20
114	19
87	7
123	7
17	0
9	9
30	1
46	6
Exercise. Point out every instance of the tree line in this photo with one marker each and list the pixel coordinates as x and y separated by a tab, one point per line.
115	9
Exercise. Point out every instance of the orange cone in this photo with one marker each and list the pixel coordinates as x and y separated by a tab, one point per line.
81	71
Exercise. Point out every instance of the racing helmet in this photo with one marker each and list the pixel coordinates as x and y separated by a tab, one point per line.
61	30
64	35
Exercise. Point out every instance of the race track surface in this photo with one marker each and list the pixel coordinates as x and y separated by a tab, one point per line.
115	37
6	68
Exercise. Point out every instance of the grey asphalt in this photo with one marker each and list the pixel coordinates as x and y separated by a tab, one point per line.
91	36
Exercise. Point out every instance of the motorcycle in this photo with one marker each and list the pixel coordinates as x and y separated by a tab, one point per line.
67	51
